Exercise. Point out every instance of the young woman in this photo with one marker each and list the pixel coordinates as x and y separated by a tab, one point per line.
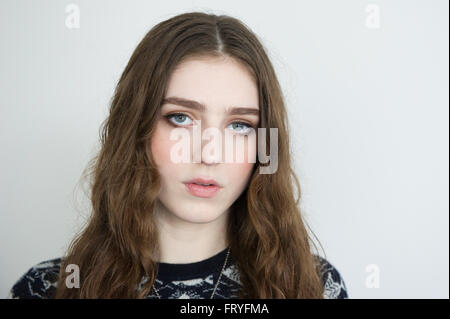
162	228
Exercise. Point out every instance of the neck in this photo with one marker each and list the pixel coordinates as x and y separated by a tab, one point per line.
181	241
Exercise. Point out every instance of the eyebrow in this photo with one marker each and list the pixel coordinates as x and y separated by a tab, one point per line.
201	107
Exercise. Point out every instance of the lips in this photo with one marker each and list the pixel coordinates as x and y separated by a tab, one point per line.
203	181
201	187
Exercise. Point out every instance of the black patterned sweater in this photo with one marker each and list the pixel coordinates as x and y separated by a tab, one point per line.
174	281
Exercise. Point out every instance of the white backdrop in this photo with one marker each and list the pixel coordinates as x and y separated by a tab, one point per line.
366	86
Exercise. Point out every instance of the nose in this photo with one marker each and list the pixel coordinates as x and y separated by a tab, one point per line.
212	150
207	145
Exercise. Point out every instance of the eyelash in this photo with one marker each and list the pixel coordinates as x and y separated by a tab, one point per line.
170	116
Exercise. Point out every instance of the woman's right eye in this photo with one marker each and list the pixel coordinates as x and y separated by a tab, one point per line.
179	119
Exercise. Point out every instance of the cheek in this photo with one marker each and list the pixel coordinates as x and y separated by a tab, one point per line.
239	175
161	146
160	150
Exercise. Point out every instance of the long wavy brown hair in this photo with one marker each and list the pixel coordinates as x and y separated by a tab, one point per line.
269	240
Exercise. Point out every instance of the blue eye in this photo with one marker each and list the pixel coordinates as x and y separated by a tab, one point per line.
241	127
179	119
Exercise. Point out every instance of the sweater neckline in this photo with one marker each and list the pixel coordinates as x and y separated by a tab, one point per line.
185	271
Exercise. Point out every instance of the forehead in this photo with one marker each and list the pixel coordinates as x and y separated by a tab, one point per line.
214	81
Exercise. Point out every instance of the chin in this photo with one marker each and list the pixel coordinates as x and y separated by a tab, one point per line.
199	215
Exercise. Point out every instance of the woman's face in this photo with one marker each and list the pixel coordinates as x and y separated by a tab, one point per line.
220	85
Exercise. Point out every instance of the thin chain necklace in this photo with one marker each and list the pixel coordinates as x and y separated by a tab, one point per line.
217	283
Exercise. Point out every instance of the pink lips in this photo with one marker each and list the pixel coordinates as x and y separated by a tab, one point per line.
204	191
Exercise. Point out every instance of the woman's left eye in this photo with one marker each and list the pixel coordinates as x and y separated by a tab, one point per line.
240	127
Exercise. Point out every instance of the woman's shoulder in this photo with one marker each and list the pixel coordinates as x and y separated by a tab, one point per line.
334	285
39	282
